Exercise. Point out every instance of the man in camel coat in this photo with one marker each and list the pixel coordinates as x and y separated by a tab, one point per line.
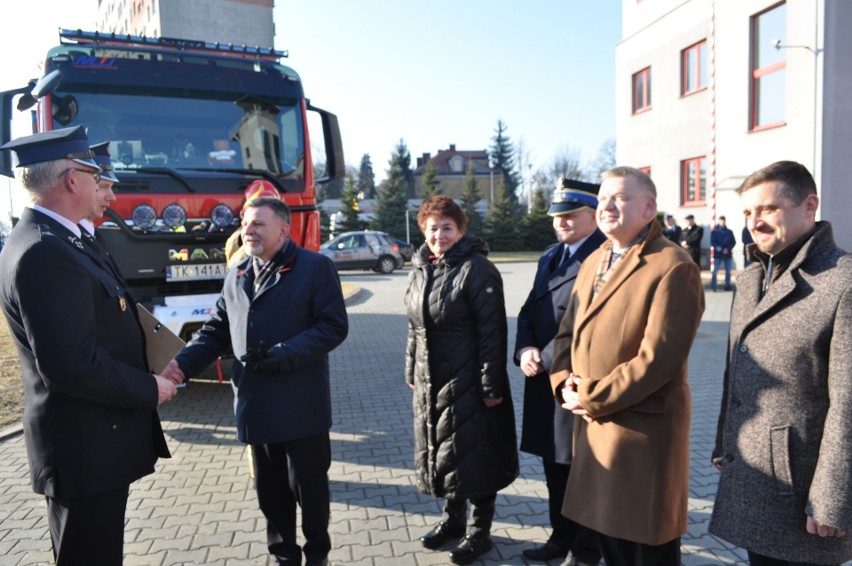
621	366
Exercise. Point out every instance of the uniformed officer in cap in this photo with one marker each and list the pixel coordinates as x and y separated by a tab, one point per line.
547	428
90	421
106	196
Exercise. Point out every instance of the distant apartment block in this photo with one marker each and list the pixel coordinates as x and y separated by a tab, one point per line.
709	91
241	22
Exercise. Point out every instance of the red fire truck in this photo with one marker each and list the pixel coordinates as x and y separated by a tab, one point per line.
190	124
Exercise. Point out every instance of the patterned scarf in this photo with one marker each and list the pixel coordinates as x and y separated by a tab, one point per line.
610	259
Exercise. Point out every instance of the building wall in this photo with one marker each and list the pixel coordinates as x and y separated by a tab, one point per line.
818	117
239	22
836	136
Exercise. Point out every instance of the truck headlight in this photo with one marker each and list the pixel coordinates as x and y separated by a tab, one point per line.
144	216
174	216
221	215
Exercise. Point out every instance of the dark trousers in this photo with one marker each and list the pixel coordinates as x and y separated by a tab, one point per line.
455	512
88	530
620	552
287	474
756	559
567	534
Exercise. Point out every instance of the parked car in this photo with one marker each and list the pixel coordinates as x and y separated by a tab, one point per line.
405	249
363	250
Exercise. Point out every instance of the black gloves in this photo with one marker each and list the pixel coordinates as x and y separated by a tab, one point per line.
260	358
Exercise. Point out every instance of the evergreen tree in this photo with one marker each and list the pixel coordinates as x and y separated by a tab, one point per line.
431	184
502	156
349	207
468	199
392	199
325	217
537	226
366	178
501	225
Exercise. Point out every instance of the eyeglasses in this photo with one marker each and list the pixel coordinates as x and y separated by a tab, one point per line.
95	174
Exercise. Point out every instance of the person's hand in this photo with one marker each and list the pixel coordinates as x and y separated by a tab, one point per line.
531	361
492	402
173	372
571	399
165	389
260	358
814	527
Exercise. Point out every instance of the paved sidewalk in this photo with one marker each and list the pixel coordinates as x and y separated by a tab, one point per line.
199	507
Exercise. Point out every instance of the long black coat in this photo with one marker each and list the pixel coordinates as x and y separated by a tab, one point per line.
456	357
547	428
90	420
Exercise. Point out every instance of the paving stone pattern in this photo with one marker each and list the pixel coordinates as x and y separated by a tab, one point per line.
200	508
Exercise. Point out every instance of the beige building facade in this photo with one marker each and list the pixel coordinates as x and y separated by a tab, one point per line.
241	22
709	91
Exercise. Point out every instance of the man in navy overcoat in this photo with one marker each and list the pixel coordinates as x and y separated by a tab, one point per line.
281	311
547	428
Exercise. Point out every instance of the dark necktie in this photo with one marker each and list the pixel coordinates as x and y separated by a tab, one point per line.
89	240
562	257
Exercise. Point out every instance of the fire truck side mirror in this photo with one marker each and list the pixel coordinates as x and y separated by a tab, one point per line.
45	85
335	165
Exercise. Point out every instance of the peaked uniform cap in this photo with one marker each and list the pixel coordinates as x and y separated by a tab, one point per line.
571	195
67	143
101	153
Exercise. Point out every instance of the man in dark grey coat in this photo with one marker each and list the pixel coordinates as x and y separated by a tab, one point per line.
783	444
547	428
282	312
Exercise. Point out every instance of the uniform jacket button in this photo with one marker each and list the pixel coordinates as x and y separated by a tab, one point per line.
115	427
743	349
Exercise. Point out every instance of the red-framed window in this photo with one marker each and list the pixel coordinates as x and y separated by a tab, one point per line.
693	68
642	90
768	99
693	181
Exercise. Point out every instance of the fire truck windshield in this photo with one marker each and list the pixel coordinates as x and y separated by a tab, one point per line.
174	132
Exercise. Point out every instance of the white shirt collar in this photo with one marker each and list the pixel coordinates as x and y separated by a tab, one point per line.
59	218
87	225
572	248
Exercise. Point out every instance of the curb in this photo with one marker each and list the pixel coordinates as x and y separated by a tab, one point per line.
350	292
11	431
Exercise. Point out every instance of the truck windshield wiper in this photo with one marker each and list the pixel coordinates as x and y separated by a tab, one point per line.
254	172
167	171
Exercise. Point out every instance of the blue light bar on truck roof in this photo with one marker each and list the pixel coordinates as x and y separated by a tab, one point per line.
194	45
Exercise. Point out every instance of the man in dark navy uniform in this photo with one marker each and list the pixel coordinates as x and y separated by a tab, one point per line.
106	196
90	418
547	428
281	312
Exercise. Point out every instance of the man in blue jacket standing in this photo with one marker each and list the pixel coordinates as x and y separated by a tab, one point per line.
282	312
547	428
723	241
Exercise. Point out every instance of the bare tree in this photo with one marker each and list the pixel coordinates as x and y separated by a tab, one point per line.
604	160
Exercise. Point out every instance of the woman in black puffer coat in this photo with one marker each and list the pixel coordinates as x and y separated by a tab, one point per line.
464	424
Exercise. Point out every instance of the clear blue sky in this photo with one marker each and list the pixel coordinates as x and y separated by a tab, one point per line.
443	72
431	73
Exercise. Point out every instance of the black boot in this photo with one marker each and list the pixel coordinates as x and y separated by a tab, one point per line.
450	527
471	547
477	541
